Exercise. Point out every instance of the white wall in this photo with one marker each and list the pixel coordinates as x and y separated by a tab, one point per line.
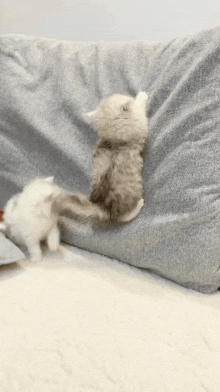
108	20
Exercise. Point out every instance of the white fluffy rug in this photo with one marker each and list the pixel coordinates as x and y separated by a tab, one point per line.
85	323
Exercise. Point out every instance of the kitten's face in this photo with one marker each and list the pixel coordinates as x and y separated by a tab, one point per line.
120	117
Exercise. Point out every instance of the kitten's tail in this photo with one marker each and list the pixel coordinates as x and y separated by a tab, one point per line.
81	207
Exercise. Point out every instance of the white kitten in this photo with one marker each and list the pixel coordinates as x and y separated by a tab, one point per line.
29	216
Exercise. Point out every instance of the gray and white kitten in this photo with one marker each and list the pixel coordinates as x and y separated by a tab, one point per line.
116	189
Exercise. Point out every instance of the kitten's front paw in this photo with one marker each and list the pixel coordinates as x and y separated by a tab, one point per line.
53	239
35	253
35	258
142	96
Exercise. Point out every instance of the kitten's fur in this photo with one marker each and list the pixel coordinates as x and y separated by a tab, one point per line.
29	217
116	189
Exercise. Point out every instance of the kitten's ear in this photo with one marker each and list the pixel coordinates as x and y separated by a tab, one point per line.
49	179
126	106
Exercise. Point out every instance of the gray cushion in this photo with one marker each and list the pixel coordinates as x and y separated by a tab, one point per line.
9	252
48	85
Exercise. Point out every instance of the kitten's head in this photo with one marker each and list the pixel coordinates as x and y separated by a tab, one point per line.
42	189
39	193
120	117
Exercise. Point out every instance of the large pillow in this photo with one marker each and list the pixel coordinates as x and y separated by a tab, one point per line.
48	85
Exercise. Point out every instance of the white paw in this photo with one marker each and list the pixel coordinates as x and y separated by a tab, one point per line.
142	96
36	258
131	215
35	254
140	204
53	239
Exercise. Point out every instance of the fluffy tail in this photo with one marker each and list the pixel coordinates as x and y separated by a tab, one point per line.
80	207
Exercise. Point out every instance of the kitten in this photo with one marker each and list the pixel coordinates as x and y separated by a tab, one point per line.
29	217
116	189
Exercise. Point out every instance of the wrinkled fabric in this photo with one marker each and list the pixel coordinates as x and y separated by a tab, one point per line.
9	252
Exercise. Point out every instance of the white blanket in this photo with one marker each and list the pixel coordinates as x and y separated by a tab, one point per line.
80	322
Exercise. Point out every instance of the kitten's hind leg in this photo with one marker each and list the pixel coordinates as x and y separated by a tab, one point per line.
34	250
131	215
53	239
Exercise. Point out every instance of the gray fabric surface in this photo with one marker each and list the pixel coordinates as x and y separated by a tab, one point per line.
9	252
48	85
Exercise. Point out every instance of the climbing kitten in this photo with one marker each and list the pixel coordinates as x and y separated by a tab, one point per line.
116	189
29	216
